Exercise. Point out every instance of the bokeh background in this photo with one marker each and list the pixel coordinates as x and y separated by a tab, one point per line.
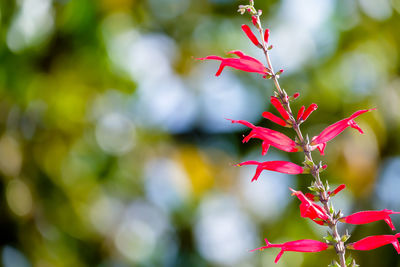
114	150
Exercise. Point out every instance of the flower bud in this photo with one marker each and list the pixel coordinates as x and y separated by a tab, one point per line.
250	35
266	36
308	111
254	20
300	113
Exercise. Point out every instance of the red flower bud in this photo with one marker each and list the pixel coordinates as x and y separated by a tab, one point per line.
296	95
266	35
277	104
303	245
337	190
273	118
250	34
300	113
369	216
376	241
254	20
277	166
244	62
308	111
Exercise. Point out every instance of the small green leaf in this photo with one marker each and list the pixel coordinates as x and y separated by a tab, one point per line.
349	260
313	188
345	238
331	209
329	238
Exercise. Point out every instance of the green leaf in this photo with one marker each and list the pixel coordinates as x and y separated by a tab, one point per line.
345	237
349	260
331	209
327	184
313	188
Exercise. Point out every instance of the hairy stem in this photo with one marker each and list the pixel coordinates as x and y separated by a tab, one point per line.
324	196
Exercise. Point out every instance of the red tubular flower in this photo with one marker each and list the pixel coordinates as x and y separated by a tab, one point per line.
277	166
308	209
303	245
337	190
369	216
277	104
376	241
244	62
296	95
335	129
308	111
269	138
250	35
254	20
266	35
300	113
273	118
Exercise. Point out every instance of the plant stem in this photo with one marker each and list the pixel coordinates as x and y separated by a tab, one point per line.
324	196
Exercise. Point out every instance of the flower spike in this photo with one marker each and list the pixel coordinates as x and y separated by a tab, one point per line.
369	216
303	245
244	62
277	166
376	241
335	129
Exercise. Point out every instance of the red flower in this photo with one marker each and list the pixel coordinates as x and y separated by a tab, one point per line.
308	209
308	111
335	129
269	138
277	104
266	35
300	113
244	62
376	241
369	216
277	166
250	35
303	245
254	20
337	190
273	118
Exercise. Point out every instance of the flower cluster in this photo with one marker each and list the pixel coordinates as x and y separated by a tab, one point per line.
323	214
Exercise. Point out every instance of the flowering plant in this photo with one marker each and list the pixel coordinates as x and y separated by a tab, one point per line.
317	205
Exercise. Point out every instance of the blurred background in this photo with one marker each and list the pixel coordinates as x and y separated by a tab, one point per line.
114	150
